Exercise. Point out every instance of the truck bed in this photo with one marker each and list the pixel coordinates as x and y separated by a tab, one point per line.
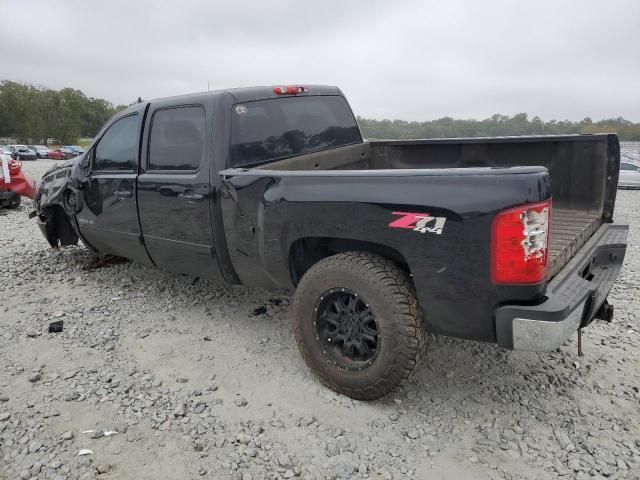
583	178
570	229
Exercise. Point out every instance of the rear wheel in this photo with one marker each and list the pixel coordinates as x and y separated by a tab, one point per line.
358	324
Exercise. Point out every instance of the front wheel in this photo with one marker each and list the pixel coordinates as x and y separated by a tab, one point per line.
358	324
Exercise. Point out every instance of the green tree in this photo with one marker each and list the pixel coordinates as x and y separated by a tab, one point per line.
33	115
496	125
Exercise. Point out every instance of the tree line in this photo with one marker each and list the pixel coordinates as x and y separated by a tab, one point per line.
497	125
33	115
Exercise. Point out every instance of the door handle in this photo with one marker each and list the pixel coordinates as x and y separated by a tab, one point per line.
191	196
122	194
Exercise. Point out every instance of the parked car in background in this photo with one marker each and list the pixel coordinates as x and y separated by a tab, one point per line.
22	152
69	152
73	150
629	174
41	150
14	184
57	154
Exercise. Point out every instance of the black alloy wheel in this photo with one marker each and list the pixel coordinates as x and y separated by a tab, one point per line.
347	329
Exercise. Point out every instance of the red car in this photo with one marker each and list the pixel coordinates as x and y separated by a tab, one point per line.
57	154
14	183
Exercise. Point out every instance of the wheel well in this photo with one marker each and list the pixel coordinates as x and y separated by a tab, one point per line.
58	229
305	252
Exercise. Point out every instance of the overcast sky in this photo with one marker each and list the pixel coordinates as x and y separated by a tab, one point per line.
413	60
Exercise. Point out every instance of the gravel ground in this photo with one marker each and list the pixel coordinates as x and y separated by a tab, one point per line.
197	383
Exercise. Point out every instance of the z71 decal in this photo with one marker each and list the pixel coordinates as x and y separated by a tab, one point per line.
419	222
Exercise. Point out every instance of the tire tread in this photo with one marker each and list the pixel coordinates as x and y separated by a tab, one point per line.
394	285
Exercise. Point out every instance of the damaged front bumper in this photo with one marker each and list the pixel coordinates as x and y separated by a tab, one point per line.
574	298
55	222
56	227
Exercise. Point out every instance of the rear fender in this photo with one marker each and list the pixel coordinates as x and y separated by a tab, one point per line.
436	222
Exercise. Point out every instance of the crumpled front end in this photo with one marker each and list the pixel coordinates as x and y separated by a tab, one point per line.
55	218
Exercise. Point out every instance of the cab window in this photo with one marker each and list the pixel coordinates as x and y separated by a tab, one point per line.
118	147
177	138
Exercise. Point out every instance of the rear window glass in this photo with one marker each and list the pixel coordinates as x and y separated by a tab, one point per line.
268	130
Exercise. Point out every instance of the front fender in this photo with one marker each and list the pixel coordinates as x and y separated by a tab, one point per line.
55	209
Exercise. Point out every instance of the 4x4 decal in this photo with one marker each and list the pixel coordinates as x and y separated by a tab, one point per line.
419	222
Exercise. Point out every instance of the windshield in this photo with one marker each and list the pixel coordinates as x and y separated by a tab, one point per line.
268	130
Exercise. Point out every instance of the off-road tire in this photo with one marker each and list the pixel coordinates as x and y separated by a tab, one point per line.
391	296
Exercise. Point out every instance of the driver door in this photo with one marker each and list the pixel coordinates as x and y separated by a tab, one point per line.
108	221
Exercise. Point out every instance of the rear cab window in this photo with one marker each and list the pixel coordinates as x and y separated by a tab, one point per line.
264	131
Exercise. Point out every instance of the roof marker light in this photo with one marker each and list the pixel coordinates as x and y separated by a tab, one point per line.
289	90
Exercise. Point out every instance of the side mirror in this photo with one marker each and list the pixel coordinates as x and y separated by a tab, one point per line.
85	163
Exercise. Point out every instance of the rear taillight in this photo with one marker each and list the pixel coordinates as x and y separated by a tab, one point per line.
520	244
289	90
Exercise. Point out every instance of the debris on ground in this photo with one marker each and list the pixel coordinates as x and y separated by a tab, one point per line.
98	433
56	327
259	311
103	261
269	307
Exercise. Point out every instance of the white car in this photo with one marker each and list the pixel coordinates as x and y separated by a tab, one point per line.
5	152
629	174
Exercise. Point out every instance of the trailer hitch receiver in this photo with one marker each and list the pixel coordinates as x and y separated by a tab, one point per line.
605	312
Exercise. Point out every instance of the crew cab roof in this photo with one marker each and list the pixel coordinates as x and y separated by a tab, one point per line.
248	94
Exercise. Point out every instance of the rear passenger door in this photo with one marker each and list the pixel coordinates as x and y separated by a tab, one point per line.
174	193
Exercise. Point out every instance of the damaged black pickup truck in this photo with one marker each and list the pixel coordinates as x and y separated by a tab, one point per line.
506	240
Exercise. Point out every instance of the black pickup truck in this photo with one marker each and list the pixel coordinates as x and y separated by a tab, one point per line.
506	240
